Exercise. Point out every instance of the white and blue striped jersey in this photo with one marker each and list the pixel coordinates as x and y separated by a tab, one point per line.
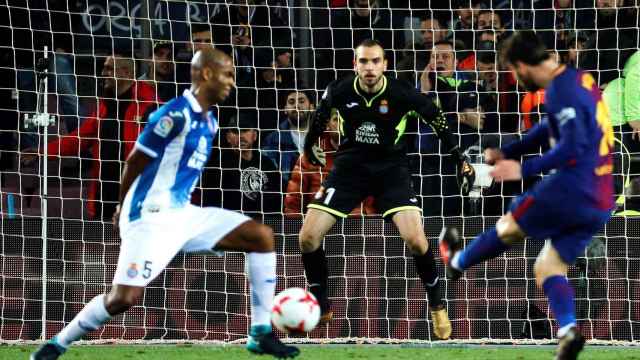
178	137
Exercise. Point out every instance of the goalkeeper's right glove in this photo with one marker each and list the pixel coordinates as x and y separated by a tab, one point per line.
315	155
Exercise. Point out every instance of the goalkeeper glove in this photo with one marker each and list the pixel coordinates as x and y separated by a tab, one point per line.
466	176
315	155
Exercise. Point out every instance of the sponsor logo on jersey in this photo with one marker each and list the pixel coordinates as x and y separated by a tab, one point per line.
132	271
367	133
251	182
384	106
353	104
413	200
565	115
164	126
199	156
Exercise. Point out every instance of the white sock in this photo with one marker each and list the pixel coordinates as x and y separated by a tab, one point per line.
563	330
262	275
90	318
455	260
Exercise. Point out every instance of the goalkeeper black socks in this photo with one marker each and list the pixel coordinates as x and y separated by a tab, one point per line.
315	267
428	273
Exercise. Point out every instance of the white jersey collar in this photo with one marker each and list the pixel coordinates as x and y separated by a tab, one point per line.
192	101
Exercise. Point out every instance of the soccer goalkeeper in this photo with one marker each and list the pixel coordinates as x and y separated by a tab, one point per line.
373	112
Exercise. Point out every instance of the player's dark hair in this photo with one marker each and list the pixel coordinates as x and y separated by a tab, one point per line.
445	42
200	27
369	43
525	47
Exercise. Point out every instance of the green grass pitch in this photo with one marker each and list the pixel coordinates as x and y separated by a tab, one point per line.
321	352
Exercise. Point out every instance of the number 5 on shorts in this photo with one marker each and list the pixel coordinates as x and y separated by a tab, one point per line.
146	272
330	192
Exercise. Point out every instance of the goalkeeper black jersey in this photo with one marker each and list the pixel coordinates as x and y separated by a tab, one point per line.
372	126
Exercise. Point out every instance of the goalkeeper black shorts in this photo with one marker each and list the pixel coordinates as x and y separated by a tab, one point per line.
346	187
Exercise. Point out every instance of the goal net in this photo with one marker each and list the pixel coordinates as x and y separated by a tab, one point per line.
66	127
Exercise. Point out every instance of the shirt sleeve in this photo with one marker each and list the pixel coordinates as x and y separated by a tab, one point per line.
433	116
163	126
533	139
571	146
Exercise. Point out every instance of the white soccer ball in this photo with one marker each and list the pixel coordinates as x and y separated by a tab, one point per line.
295	310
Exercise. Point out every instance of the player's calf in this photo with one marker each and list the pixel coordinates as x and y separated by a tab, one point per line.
121	298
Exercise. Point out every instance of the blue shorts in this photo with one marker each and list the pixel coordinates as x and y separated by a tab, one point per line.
568	224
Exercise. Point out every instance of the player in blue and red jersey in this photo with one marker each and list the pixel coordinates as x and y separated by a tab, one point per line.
570	204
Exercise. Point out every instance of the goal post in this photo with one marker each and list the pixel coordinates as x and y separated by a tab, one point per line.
59	249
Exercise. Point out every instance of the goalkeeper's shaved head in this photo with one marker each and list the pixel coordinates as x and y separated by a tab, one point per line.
212	74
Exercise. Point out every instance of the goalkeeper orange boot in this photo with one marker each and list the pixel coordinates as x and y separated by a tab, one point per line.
450	244
325	308
570	345
441	323
325	317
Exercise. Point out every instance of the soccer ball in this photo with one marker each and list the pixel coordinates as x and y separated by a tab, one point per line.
295	310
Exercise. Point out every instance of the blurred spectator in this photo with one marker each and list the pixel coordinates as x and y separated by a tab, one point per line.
467	14
306	179
614	41
161	72
256	30
489	20
432	32
441	79
364	19
574	46
532	109
623	101
631	73
554	20
498	95
415	61
201	36
467	59
274	84
630	203
237	176
109	132
62	95
284	146
614	96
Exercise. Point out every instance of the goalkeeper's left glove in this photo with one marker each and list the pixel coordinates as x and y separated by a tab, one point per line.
466	176
315	155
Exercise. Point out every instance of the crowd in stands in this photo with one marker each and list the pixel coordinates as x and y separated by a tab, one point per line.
447	49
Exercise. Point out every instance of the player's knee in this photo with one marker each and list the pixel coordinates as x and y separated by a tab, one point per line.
309	240
417	243
508	230
545	268
264	239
